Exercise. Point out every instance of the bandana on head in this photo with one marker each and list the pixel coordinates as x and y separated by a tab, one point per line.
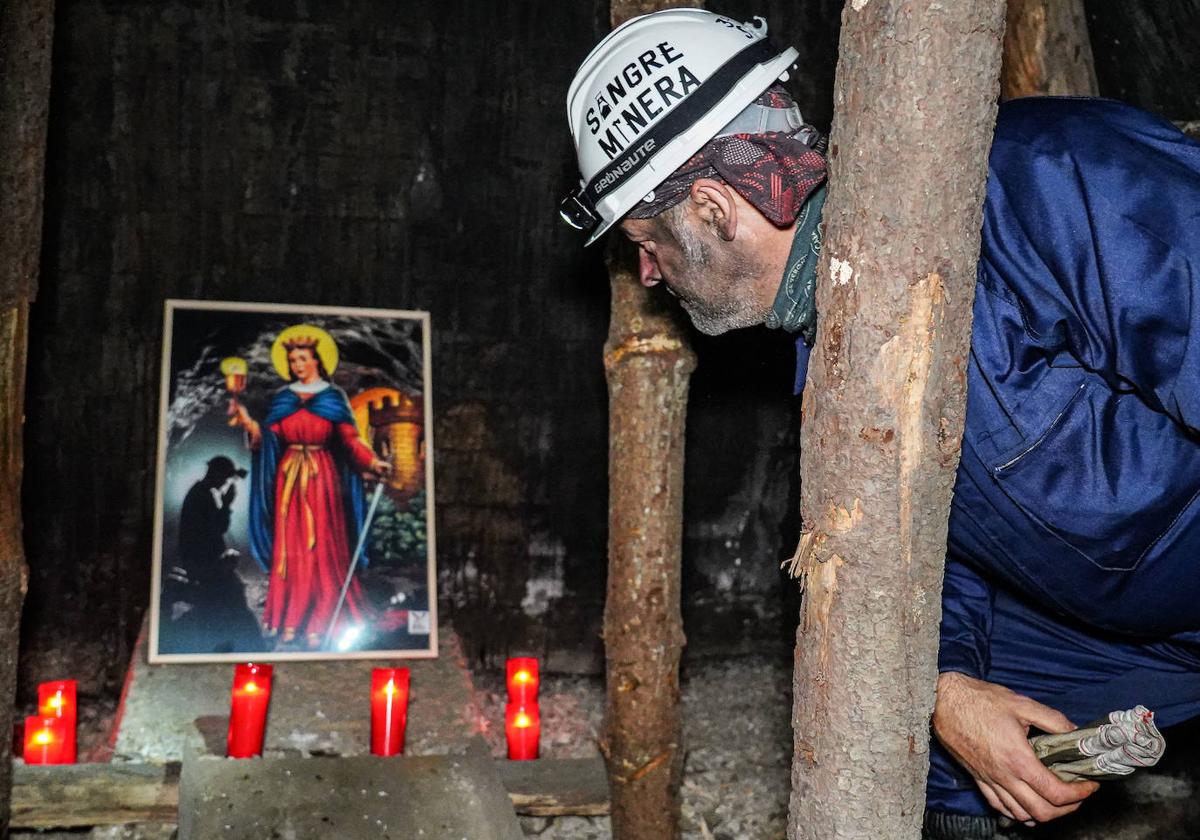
775	171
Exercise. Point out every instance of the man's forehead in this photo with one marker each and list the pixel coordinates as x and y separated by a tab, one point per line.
637	228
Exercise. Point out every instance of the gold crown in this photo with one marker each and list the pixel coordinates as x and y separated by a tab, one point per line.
301	342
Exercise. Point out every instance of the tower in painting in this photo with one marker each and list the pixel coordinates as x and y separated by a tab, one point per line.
398	432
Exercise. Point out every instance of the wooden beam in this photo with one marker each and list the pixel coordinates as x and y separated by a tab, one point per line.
648	363
81	795
1047	50
556	787
884	404
85	795
26	33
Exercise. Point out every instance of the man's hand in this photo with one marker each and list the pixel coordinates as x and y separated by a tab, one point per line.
985	727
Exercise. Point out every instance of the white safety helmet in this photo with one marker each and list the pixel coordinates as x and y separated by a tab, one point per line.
651	94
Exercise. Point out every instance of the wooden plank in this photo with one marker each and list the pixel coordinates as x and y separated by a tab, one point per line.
78	795
83	795
556	787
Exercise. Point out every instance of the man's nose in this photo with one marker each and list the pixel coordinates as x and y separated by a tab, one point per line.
648	269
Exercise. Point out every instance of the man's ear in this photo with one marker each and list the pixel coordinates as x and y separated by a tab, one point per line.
715	204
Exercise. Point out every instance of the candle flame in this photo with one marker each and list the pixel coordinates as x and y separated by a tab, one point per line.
55	702
522	721
522	676
250	687
42	737
390	688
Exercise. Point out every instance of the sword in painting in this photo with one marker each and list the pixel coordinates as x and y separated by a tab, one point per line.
358	550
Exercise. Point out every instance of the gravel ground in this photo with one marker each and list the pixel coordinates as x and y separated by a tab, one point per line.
738	753
738	739
738	746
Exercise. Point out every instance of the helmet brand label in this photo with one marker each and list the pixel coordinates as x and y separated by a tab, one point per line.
615	173
642	91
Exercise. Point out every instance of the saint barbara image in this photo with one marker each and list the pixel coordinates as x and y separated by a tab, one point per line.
294	503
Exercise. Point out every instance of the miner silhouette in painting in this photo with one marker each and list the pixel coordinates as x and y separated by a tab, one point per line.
203	586
307	499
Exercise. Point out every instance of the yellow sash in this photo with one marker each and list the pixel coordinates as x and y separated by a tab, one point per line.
299	464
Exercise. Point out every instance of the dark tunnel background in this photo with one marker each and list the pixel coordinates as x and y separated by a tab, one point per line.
404	155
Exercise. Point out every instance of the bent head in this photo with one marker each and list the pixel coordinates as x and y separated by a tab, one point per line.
716	231
706	252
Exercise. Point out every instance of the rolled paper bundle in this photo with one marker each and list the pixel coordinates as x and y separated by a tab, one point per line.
1107	749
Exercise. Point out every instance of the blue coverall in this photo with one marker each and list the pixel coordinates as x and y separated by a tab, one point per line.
1073	557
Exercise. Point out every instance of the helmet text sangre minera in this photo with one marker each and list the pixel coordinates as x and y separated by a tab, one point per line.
647	88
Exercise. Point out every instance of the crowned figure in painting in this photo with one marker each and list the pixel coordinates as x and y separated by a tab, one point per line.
306	490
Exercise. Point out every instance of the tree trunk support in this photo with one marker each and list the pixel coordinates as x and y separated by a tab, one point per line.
648	365
883	408
26	30
1047	50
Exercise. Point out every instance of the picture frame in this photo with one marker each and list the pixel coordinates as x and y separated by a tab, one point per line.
294	492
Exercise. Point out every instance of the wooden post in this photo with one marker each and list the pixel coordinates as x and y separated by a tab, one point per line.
1047	50
26	30
648	364
883	408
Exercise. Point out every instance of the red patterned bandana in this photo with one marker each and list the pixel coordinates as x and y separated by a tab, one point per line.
774	171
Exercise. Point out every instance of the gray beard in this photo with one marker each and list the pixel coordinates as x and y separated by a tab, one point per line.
713	317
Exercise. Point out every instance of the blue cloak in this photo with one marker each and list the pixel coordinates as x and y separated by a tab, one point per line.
330	404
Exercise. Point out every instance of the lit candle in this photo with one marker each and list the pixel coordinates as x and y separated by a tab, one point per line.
523	726
522	679
46	742
248	712
57	699
389	710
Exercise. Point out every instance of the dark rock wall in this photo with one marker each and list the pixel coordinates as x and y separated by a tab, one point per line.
406	155
1148	53
403	155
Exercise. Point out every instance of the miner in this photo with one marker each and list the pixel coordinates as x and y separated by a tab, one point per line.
1070	588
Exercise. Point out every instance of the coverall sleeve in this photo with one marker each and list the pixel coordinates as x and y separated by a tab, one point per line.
1095	207
966	621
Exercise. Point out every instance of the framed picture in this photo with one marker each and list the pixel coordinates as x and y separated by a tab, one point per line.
294	497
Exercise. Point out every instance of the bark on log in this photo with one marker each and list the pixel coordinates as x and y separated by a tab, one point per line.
648	364
14	326
26	30
1047	50
884	403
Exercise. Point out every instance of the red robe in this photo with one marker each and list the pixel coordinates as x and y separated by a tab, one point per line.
312	548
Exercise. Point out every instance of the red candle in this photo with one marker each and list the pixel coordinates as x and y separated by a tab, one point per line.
57	699
389	710
46	741
522	678
523	726
248	712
